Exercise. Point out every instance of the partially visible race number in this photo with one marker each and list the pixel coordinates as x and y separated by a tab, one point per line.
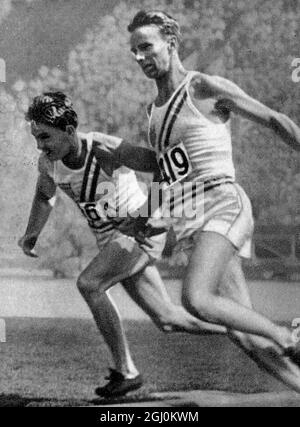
175	164
92	215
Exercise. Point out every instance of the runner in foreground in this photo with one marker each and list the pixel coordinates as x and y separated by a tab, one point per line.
189	136
73	162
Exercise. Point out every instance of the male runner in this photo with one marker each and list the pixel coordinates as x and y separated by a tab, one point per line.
73	162
189	135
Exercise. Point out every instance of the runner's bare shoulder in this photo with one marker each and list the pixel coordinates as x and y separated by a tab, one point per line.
106	142
206	86
206	92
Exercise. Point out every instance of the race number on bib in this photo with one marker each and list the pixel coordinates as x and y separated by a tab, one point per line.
92	214
175	164
100	217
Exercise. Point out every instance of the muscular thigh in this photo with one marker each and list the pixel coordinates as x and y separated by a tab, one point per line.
118	260
208	262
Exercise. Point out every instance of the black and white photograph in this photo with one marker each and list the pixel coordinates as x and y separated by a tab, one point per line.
150	206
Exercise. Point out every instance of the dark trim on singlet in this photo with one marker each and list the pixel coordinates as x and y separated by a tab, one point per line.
173	120
86	175
95	183
167	116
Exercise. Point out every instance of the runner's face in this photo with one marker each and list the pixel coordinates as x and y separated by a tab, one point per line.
54	142
151	51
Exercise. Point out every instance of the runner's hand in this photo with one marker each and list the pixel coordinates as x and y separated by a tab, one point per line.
132	226
143	237
27	245
140	230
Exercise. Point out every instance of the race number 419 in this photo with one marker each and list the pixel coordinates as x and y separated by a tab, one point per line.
2	71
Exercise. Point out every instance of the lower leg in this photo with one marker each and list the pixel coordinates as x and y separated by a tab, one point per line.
180	320
109	324
148	291
208	262
268	356
222	311
265	353
120	259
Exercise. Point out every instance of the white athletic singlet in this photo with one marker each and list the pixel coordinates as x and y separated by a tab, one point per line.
95	192
187	144
195	159
191	150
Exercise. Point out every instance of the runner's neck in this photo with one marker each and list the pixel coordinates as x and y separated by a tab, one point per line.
169	83
75	159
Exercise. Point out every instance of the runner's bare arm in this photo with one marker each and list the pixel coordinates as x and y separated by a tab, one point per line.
40	210
137	158
234	99
134	157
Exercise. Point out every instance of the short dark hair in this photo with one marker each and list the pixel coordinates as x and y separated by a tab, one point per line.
52	109
165	22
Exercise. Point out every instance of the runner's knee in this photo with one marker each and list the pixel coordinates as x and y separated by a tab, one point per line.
87	285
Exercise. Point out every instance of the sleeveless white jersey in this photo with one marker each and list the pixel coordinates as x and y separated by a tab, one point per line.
189	147
96	193
207	144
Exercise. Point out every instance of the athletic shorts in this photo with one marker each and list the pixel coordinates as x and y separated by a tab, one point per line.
122	257
154	251
226	210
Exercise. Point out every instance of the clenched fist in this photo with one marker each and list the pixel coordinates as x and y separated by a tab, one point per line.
27	244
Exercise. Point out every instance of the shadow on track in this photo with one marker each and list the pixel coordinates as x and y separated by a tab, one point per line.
18	401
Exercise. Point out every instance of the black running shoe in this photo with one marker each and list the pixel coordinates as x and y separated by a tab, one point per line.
118	385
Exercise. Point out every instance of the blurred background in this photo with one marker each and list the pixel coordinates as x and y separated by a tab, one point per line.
81	47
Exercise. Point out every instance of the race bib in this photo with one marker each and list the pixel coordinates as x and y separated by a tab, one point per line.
175	164
92	214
